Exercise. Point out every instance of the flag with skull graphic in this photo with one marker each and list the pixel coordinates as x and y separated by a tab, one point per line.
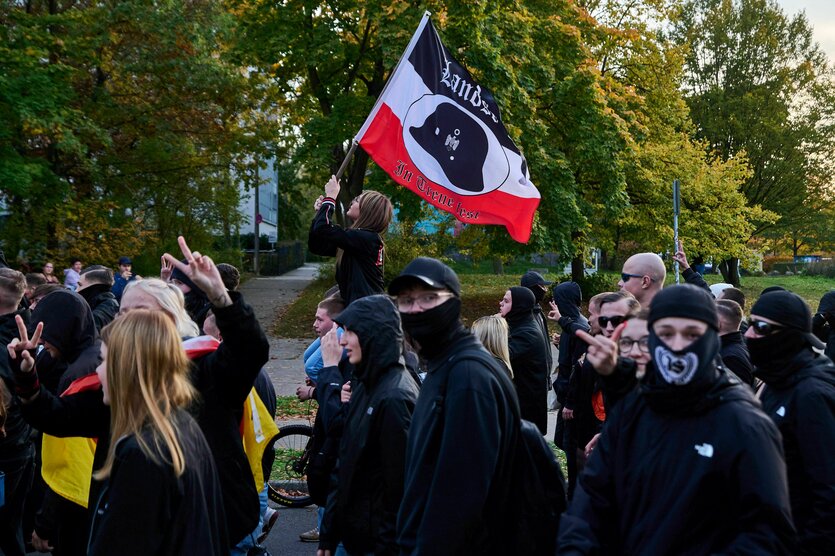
437	132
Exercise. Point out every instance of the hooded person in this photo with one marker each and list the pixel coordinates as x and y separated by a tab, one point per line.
799	396
462	435
567	298
527	355
687	462
362	507
823	323
538	285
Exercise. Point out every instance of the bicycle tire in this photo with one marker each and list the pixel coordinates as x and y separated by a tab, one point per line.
288	481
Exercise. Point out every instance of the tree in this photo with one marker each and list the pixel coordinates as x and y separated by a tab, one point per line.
758	85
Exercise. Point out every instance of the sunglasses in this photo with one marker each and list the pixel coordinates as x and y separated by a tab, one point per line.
625	277
763	328
615	320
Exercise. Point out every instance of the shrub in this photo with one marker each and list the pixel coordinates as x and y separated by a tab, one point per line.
822	268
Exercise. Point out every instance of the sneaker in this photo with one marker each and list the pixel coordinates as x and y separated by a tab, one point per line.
269	520
310	536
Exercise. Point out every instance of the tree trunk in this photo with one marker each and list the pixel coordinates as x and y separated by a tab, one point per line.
578	268
498	266
730	271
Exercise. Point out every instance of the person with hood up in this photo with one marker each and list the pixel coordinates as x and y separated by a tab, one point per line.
527	355
823	323
565	309
538	285
362	507
197	304
799	396
687	462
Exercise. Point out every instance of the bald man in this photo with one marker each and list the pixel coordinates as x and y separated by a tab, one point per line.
643	276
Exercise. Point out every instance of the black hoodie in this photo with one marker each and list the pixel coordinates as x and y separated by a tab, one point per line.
528	358
362	506
16	442
567	296
102	302
800	399
824	323
70	327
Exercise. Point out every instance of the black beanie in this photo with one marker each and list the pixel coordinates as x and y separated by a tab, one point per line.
684	301
770	289
786	308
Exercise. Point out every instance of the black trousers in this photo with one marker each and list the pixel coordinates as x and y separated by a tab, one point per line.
19	471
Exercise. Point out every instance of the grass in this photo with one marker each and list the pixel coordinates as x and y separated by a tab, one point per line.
289	408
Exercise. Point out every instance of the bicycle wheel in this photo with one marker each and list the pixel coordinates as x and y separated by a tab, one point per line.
288	481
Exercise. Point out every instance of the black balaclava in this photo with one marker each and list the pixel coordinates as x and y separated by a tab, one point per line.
196	301
522	303
778	355
677	380
568	296
435	328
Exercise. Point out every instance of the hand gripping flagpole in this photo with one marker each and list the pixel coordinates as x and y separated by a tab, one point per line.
355	142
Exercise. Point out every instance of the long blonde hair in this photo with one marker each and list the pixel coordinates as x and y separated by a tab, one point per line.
171	299
147	378
376	213
492	332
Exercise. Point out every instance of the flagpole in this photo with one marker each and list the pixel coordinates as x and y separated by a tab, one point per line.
347	159
355	142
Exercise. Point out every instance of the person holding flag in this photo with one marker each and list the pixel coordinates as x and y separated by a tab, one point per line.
359	249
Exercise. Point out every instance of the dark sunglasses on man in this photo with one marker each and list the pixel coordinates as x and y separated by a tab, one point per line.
624	276
763	328
615	320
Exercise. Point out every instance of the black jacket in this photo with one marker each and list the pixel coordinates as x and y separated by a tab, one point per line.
824	323
528	358
706	479
567	296
368	483
145	509
735	356
692	277
16	442
223	379
102	302
457	457
360	271
802	405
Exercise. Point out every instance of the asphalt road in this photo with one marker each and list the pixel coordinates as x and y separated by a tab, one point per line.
284	538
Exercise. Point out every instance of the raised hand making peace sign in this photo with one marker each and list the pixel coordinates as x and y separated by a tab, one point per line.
22	358
202	271
602	352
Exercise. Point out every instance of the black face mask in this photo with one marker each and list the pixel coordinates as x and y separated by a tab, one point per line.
686	366
772	355
434	328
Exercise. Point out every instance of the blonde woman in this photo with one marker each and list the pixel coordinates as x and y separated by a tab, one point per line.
162	494
359	250
492	332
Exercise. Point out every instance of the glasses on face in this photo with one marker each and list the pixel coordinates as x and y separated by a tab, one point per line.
763	328
615	320
423	300
626	344
625	276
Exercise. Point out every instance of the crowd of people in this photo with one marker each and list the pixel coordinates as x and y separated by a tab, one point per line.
688	427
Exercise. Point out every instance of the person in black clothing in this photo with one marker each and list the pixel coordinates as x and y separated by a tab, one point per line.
359	250
799	396
735	294
823	323
527	355
94	286
161	493
687	462
222	378
565	309
197	304
459	449
538	285
733	352
362	507
17	452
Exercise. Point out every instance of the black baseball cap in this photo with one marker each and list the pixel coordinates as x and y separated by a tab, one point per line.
532	278
428	272
124	260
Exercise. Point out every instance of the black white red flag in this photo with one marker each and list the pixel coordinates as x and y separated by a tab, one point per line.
437	132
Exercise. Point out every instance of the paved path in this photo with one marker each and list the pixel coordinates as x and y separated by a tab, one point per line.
268	295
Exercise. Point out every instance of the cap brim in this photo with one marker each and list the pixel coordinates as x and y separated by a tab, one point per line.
404	279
